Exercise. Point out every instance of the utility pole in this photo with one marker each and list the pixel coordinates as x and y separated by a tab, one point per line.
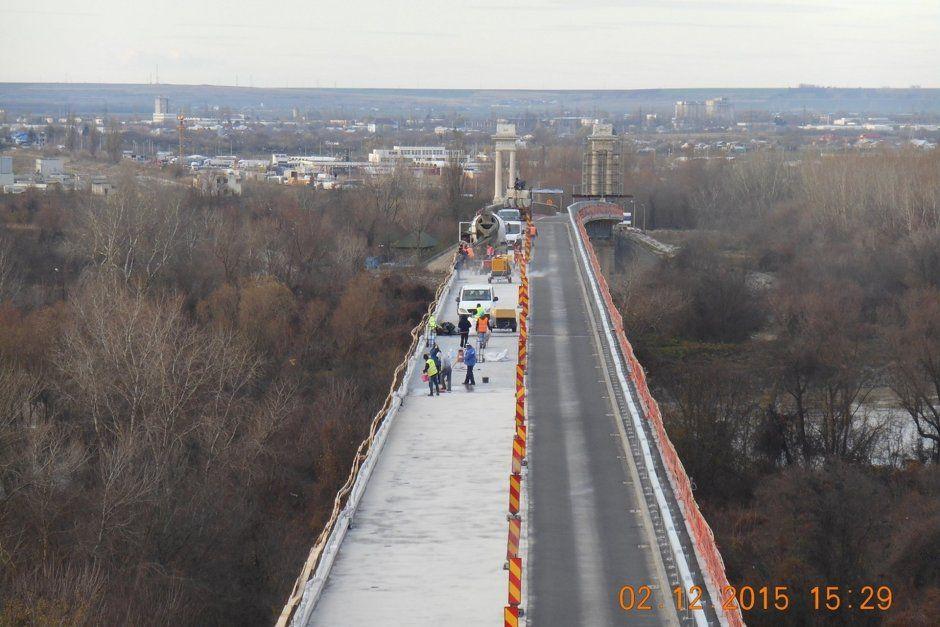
180	128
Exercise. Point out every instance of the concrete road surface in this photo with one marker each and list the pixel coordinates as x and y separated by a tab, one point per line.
589	531
428	542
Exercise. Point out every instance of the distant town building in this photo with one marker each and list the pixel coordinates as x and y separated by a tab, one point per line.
6	171
49	166
719	109
301	161
690	110
216	183
100	186
422	155
161	110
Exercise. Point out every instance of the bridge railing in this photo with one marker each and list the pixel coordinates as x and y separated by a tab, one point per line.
703	538
307	588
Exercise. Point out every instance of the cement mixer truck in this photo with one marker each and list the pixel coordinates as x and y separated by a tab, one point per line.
487	227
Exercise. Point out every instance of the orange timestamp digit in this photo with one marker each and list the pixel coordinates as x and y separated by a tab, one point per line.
762	598
695	598
883	595
872	598
635	598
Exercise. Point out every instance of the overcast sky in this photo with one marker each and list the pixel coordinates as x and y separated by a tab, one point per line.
550	44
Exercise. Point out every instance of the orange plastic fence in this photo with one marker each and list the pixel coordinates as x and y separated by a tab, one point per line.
702	536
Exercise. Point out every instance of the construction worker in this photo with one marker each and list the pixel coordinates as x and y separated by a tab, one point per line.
479	312
432	330
533	232
430	369
464	326
470	256
483	332
469	360
461	259
446	372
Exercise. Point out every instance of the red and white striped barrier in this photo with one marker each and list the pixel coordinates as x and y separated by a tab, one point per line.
515	492
515	533
515	581
512	611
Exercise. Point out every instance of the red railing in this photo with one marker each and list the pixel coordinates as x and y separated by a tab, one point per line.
708	555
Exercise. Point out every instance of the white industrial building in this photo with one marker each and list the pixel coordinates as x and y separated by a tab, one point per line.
49	166
424	155
6	171
299	161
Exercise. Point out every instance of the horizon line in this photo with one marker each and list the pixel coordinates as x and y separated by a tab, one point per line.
507	89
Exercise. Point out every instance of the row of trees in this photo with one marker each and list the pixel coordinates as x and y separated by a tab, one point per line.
795	345
183	382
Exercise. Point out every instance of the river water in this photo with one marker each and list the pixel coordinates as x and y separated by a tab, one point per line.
622	258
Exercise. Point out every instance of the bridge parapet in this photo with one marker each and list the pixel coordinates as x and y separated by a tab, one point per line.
599	218
703	540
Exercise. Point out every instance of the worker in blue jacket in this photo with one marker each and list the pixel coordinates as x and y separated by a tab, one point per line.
470	360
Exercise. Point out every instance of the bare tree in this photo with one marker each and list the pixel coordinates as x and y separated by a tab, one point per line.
131	234
9	272
914	348
386	194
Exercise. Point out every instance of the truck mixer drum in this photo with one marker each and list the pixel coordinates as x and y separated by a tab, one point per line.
488	226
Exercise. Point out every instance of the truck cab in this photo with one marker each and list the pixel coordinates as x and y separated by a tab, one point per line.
513	232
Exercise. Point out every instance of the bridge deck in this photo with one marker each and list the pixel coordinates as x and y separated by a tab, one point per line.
428	542
589	532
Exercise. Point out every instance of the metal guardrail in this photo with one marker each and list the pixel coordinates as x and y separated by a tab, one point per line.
308	586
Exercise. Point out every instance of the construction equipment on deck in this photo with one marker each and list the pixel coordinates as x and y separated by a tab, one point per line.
500	268
503	319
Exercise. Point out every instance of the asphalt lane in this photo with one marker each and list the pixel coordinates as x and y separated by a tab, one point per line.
588	531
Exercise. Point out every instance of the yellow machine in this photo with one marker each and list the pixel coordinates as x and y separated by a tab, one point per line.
504	319
500	268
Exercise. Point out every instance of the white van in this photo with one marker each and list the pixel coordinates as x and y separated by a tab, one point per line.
473	295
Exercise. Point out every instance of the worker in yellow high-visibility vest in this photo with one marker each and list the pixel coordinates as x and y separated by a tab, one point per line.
432	331
430	369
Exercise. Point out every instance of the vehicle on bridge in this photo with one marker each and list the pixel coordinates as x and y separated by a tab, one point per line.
487	226
471	295
513	232
504	319
500	268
